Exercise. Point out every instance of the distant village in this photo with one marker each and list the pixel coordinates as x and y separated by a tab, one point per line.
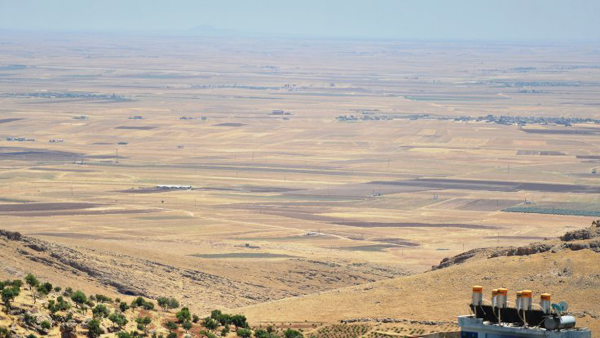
373	115
68	95
522	120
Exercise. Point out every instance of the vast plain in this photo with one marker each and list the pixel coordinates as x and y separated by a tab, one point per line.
313	164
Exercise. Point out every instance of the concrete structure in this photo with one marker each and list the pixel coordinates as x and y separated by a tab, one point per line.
472	327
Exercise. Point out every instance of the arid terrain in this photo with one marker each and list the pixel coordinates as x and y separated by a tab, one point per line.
237	173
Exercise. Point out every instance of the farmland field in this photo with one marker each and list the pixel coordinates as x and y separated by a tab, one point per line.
393	189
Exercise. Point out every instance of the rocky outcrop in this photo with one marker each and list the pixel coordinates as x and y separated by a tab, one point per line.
393	320
68	330
583	234
523	250
10	235
458	259
572	240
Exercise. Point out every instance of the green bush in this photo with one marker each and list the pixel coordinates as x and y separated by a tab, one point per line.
94	329
244	333
100	311
79	298
118	319
183	315
210	323
171	325
239	321
9	294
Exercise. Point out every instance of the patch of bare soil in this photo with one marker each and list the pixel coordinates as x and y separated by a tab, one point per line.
415	225
84	212
63	170
9	120
4	208
137	127
229	124
397	241
29	154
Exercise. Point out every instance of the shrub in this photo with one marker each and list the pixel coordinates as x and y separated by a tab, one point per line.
9	294
143	323
244	333
289	333
239	321
103	299
173	303
4	332
94	329
79	298
32	281
137	302
186	325
100	311
140	301
118	319
148	305
46	325
171	325
167	303
210	323
183	315
207	334
47	287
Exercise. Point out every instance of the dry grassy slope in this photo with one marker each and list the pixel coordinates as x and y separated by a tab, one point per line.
444	294
198	285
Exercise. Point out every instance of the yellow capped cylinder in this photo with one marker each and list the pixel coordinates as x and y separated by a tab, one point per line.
502	297
519	299
545	302
526	299
477	298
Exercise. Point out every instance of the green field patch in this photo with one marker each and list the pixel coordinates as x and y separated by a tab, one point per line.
14	200
567	209
244	255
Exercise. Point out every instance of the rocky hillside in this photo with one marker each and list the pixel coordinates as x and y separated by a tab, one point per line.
199	283
575	240
31	308
566	267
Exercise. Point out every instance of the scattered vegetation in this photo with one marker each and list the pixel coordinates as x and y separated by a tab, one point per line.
67	313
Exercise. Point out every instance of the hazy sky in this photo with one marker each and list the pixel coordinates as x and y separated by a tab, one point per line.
397	19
